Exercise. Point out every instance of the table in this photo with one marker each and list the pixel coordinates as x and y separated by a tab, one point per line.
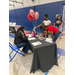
12	28
44	55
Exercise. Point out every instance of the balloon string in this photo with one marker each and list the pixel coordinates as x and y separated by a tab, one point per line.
33	23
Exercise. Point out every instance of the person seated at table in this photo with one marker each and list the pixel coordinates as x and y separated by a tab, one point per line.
46	22
53	31
21	40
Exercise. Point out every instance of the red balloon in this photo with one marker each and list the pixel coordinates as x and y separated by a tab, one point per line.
29	17
34	18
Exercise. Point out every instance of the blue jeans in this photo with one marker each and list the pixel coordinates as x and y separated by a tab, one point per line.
56	35
60	29
25	46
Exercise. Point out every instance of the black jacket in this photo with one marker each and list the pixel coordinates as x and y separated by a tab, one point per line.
19	38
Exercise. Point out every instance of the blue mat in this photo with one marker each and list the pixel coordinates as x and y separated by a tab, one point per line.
61	51
11	35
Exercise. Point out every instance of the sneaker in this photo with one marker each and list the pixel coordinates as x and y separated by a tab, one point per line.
60	38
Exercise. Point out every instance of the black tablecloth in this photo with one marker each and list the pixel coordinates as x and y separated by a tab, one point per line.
44	57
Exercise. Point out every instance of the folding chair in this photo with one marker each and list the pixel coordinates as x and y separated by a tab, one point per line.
16	49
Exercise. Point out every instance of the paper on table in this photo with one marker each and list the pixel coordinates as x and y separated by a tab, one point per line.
49	40
41	38
33	38
29	35
36	43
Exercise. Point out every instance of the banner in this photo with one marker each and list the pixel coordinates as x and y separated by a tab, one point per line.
63	18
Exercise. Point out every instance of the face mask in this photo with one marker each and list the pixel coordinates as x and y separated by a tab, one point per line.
45	19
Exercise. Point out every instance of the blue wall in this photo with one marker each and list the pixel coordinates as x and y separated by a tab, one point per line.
21	14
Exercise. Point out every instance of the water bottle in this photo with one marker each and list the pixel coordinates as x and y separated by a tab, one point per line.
32	34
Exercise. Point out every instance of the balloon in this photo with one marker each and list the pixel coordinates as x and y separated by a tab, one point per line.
32	12
34	18
29	17
36	15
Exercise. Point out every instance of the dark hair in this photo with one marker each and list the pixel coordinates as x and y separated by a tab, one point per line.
46	15
42	27
21	28
58	16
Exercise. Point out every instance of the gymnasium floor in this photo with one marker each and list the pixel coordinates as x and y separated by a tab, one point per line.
21	65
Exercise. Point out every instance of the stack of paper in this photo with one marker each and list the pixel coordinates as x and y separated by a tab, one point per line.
36	43
49	40
41	38
33	38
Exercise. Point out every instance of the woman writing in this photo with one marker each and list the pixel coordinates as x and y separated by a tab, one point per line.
21	40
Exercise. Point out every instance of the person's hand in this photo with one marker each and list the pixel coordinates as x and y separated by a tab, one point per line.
35	27
49	32
27	35
23	36
59	26
41	34
52	38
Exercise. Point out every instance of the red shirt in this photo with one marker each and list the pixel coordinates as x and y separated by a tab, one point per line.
52	28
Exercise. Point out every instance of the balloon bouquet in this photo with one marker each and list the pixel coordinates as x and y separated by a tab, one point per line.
33	16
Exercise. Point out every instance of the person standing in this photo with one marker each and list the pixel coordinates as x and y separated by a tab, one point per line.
58	24
45	23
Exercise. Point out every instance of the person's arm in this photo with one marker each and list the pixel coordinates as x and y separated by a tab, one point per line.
44	34
23	37
54	24
51	33
39	25
61	24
